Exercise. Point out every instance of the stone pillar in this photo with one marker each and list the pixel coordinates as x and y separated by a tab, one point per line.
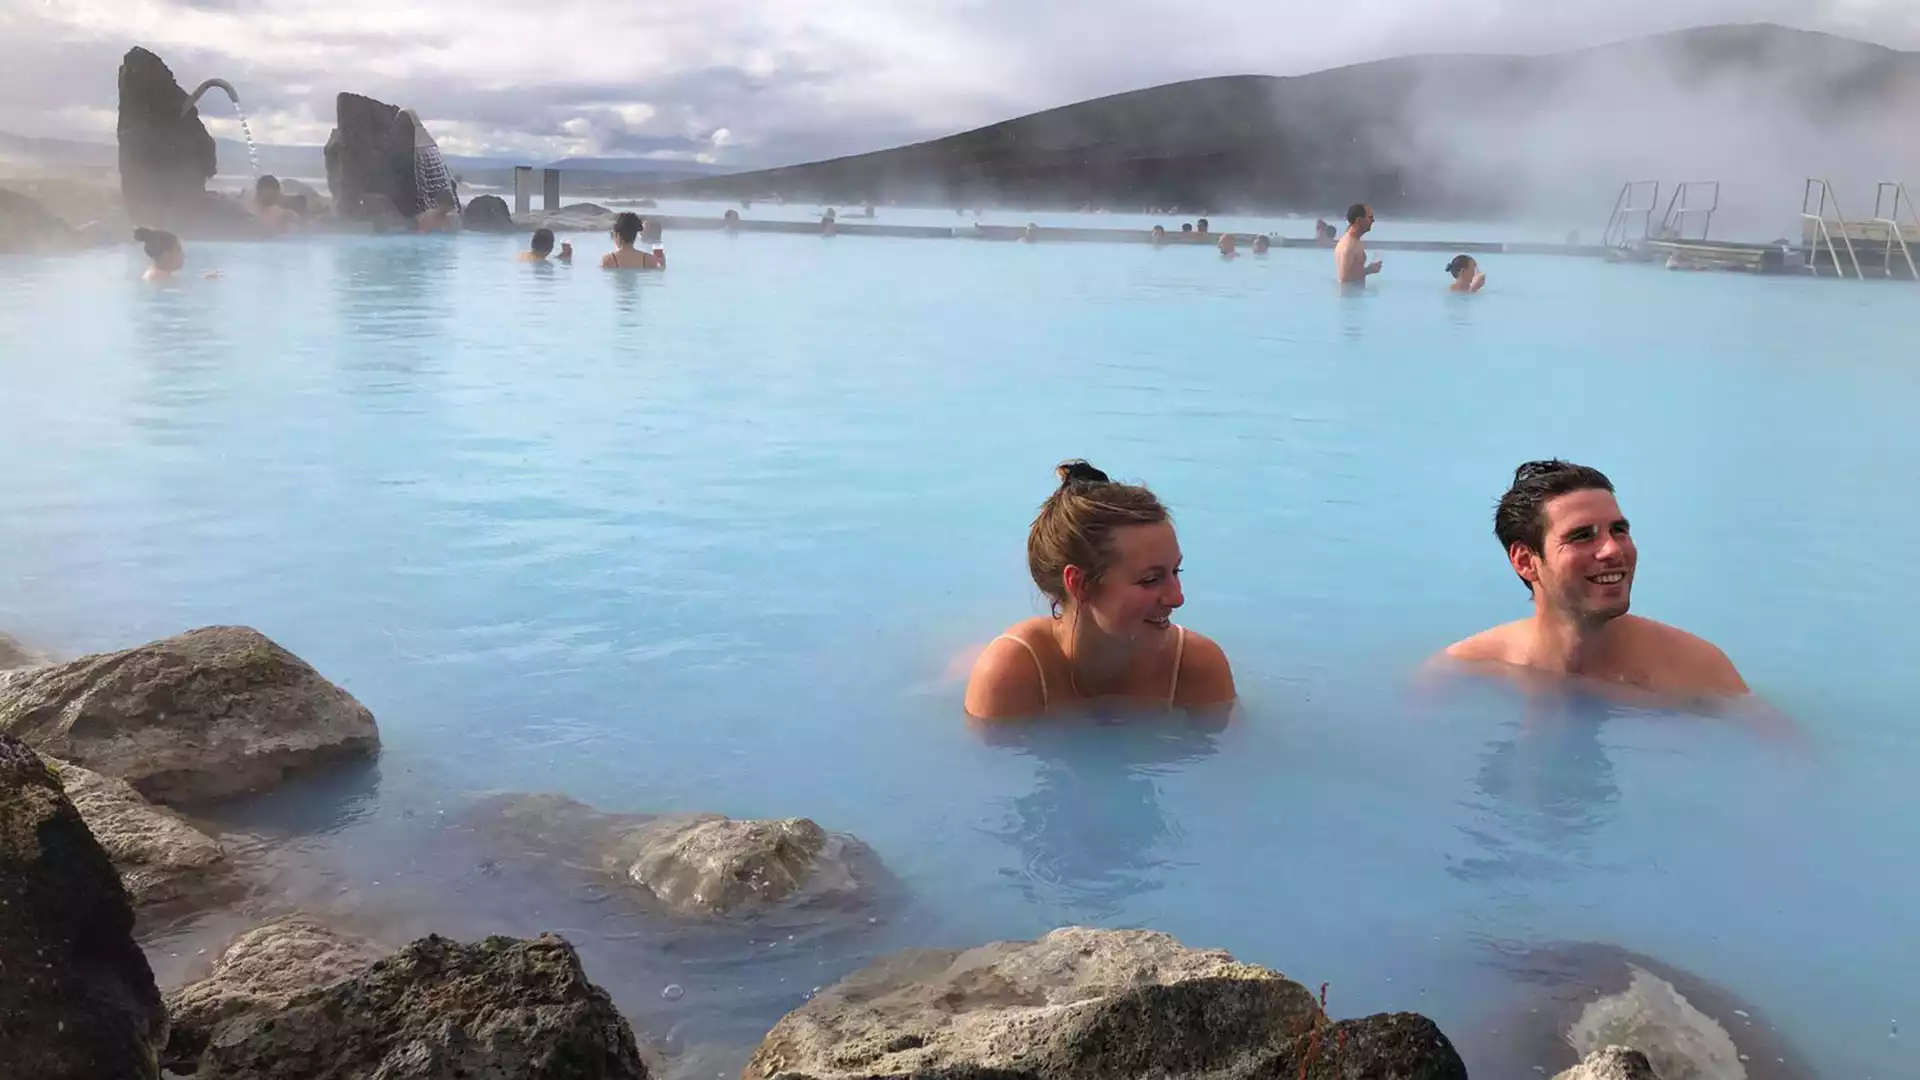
522	190
550	189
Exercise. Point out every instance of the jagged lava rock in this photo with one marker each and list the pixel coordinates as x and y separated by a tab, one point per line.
77	999
260	974
212	712
161	858
1083	1004
501	1009
1612	1063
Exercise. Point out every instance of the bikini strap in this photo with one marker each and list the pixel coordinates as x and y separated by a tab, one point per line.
1179	652
1038	667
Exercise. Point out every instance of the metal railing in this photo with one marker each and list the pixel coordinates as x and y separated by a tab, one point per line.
1692	199
1888	216
1619	232
1818	218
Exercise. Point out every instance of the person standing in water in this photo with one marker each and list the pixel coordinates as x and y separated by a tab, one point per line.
165	254
1466	274
1350	255
1106	557
624	256
541	246
1229	248
1568	542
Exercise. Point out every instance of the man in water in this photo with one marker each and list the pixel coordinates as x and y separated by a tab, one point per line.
541	246
1568	542
1349	255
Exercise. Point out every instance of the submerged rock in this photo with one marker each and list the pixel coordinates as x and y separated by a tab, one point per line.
487	213
212	712
260	974
1612	1063
439	1010
696	864
77	999
160	857
26	227
1595	996
1093	1004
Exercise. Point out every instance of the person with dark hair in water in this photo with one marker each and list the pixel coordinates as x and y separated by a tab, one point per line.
624	256
1349	255
1465	270
1106	557
1569	544
1261	244
1158	236
541	246
167	256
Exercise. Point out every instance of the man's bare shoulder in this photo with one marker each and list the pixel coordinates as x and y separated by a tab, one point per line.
1689	661
1500	645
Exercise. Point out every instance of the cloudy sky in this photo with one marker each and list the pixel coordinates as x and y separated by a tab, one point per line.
768	81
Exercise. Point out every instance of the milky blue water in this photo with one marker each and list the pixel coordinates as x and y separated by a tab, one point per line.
715	539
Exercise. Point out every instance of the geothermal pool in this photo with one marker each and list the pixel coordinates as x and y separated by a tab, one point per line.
713	540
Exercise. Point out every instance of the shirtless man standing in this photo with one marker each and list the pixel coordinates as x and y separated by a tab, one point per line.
1568	542
1349	255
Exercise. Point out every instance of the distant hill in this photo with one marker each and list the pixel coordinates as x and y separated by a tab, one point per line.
1755	106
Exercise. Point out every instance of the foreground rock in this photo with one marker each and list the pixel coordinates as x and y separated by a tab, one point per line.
696	864
213	712
487	213
161	859
1596	996
440	1010
1092	1004
259	975
25	228
1612	1063
77	999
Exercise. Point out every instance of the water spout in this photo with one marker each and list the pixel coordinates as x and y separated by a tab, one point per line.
253	149
194	98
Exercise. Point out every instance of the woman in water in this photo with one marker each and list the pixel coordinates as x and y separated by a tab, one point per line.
624	256
168	257
1466	274
1106	557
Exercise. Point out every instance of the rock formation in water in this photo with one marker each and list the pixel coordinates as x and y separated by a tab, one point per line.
695	864
440	1010
1593	996
27	228
381	162
77	999
258	976
212	712
166	155
1088	1005
1612	1063
161	859
487	213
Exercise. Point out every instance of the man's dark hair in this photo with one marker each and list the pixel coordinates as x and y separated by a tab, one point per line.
1356	212
542	241
1521	516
